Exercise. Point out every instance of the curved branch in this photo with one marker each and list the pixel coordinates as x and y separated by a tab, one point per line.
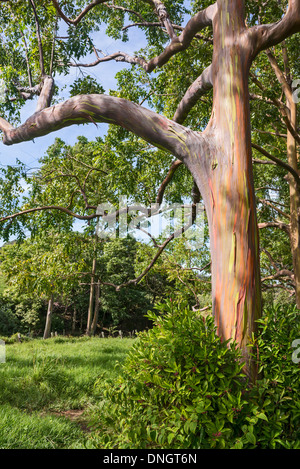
167	180
39	40
163	16
80	16
275	224
150	126
265	36
200	86
179	43
49	207
279	162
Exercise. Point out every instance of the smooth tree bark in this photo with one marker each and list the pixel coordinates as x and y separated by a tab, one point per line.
294	201
219	158
96	309
47	330
92	293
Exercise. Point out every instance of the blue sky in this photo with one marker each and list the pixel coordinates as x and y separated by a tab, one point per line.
30	152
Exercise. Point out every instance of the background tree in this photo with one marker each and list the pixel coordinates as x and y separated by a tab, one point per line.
275	139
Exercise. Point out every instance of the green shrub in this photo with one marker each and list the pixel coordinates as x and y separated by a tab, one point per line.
9	323
277	391
181	387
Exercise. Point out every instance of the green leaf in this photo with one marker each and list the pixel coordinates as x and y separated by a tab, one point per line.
262	416
251	438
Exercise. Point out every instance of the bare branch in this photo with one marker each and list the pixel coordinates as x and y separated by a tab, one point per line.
280	274
279	162
127	10
200	86
280	76
272	134
177	44
80	16
275	224
117	56
176	27
86	165
160	250
38	35
270	204
167	180
49	207
27	59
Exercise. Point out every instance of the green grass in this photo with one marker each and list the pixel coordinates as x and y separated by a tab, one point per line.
43	380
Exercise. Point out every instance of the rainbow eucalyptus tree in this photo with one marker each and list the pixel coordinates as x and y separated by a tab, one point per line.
219	157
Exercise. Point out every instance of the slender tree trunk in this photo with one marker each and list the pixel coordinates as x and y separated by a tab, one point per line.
96	311
92	292
47	330
74	320
227	187
294	202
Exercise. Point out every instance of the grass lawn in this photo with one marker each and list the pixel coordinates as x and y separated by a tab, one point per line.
47	390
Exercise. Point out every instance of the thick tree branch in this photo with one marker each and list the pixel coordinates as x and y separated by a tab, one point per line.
200	86
179	43
275	224
150	126
46	94
163	17
265	36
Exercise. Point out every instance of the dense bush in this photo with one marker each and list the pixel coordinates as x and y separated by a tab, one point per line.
9	323
181	387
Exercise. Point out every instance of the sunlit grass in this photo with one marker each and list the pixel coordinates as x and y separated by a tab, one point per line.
42	379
